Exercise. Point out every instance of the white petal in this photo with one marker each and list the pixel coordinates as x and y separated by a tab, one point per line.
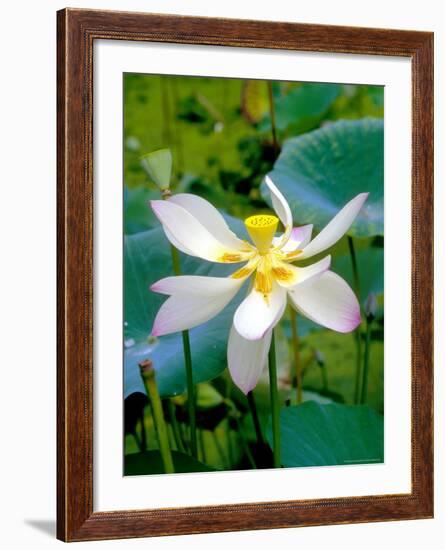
183	310
282	210
290	276
328	301
197	285
336	228
191	236
246	359
176	243
258	313
299	238
209	217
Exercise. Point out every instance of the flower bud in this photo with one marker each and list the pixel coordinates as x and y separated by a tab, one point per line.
320	358
371	306
158	166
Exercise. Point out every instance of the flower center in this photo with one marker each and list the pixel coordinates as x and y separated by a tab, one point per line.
262	229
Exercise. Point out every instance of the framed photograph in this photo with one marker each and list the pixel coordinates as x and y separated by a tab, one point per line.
245	232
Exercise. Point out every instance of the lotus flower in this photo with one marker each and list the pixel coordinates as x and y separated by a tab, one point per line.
196	228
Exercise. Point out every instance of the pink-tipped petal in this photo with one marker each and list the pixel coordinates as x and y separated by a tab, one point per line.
180	312
329	301
193	300
197	285
299	238
259	312
189	235
209	217
179	245
246	359
336	228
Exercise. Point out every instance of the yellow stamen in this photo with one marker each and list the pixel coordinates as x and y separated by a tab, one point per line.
282	274
230	258
292	255
262	229
263	279
243	272
263	282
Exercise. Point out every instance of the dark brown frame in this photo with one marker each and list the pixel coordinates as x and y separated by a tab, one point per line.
77	30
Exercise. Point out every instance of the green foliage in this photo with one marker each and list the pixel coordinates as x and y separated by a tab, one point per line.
321	171
358	102
208	397
301	108
197	118
326	435
255	100
150	462
339	352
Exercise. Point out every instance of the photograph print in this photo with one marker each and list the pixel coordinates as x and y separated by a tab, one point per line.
253	242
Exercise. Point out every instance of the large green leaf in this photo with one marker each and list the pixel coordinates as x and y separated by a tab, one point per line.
324	435
150	462
146	260
138	216
303	107
319	172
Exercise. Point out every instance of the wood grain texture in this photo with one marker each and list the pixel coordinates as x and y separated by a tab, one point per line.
77	30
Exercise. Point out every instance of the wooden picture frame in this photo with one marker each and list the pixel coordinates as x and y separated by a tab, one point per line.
77	31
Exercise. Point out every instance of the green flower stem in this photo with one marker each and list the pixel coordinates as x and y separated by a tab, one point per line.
230	452
184	437
171	437
166	130
178	134
255	418
221	454
175	427
364	392
202	446
148	377
358	364
188	368
143	442
243	438
176	261
357	334
274	404
324	378
190	392
296	349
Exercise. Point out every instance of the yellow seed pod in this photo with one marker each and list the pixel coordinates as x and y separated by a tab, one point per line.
262	229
